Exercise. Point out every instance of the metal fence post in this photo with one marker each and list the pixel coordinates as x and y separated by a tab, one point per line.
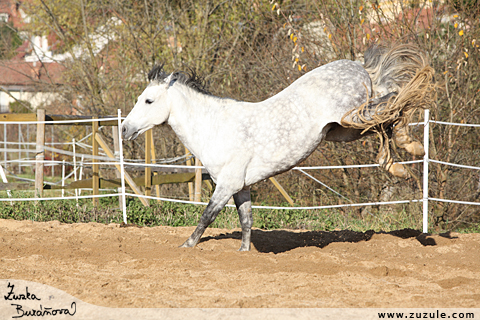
19	149
116	153
40	156
95	165
148	160
75	167
122	171
5	145
63	178
426	133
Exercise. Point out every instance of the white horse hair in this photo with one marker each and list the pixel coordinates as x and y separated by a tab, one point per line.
241	143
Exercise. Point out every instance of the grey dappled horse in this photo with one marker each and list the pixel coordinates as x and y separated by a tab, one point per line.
241	143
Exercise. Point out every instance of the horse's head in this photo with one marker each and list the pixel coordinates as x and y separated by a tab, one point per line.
152	107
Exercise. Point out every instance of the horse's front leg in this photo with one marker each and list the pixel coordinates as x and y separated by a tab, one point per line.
243	203
219	199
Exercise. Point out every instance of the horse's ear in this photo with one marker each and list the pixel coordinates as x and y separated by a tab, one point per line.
170	80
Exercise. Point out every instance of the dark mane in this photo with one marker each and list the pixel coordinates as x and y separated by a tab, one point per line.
190	79
157	73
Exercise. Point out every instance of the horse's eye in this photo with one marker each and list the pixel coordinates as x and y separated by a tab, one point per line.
148	101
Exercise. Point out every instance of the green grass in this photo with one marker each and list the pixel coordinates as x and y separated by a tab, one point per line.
175	214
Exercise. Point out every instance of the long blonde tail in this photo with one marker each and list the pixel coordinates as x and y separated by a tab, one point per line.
402	83
391	69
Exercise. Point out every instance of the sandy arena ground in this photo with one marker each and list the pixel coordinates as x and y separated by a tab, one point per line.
113	266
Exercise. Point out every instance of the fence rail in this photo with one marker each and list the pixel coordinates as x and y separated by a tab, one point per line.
121	163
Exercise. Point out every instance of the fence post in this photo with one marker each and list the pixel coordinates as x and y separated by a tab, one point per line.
63	178
95	166
75	167
53	152
40	153
122	169
28	142
5	145
426	141
4	179
19	149
116	153
148	160
80	175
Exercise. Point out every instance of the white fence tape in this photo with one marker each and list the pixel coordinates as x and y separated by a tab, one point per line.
454	164
455	201
374	165
283	208
323	184
122	163
455	124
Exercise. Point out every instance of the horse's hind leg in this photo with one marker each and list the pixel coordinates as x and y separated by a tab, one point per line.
386	161
405	141
217	202
243	203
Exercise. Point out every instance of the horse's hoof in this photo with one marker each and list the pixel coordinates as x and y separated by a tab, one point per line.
244	248
398	170
415	148
187	244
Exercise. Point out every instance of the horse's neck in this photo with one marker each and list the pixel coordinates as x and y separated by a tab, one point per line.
188	116
199	119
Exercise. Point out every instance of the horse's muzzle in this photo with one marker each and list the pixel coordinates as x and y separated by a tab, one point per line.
128	132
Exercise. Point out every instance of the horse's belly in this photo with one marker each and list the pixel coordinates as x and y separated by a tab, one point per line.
278	158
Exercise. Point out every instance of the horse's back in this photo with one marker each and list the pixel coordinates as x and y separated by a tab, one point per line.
335	88
291	124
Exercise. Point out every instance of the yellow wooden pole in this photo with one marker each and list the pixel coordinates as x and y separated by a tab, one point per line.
198	181
282	191
20	116
95	166
190	184
110	183
128	178
152	148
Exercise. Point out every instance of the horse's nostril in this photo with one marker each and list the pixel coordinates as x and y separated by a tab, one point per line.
124	130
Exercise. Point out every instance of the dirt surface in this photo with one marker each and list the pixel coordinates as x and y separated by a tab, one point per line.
113	266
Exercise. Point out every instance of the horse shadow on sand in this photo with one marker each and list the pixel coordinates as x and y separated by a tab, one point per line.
278	241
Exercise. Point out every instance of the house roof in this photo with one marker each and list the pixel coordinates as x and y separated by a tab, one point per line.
29	74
